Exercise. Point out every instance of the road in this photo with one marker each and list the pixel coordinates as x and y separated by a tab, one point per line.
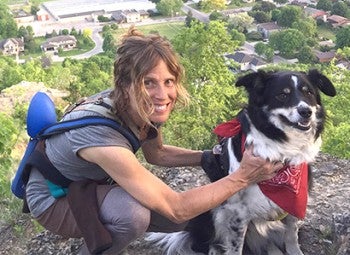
43	28
196	14
98	40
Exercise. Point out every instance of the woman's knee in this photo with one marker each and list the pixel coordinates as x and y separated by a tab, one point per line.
121	213
139	220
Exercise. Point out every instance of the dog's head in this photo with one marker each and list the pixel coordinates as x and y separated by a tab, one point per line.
281	100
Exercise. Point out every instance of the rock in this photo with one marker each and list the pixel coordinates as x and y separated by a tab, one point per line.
22	93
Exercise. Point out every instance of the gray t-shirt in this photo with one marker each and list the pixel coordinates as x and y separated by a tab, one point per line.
62	151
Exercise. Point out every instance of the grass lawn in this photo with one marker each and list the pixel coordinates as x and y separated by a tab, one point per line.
168	30
326	32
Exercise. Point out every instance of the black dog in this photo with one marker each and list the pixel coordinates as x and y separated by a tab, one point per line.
283	120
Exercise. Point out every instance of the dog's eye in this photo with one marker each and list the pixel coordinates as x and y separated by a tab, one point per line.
306	90
282	97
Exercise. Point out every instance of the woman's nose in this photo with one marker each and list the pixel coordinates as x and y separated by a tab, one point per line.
160	91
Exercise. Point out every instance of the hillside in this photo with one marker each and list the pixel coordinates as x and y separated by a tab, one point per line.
325	231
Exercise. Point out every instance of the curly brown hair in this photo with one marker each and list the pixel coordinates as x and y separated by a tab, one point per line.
137	55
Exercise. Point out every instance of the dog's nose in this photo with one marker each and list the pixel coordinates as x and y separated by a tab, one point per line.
305	112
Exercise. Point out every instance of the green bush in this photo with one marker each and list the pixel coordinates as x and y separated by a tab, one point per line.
336	140
8	136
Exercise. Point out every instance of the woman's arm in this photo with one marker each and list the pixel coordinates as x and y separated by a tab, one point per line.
157	153
122	165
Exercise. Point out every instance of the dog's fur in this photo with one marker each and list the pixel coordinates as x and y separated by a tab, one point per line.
283	120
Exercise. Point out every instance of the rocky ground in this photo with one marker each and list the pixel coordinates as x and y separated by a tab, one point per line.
325	231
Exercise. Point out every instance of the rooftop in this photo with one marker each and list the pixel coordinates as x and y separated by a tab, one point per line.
73	8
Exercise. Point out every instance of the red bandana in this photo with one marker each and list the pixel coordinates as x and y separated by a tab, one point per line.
288	189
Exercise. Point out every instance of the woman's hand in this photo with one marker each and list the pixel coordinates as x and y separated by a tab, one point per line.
254	169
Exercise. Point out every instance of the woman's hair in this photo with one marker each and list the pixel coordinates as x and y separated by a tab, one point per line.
137	55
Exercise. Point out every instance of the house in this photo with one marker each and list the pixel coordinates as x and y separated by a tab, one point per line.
129	16
325	57
42	15
12	46
246	61
266	29
316	14
21	16
338	21
144	14
65	42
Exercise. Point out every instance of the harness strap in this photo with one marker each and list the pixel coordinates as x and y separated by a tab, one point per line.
40	161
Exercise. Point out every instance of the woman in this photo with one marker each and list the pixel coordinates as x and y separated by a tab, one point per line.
147	77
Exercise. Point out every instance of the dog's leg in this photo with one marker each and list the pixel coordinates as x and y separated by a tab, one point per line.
230	220
291	236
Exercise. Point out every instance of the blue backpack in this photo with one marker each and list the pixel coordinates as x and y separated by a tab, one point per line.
42	123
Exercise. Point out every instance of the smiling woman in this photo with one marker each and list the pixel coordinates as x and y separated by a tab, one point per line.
108	185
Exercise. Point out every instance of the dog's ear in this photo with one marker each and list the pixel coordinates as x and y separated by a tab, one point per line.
253	82
322	82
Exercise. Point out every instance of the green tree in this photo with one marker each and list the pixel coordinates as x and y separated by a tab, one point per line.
33	71
275	14
189	19
264	50
260	48
9	72
210	5
325	5
8	26
8	136
264	6
202	48
281	1
287	41
336	140
109	45
22	32
269	53
306	56
260	16
289	14
27	34
342	37
341	8
344	53
169	7
34	9
237	36
73	32
65	32
306	26
216	15
241	22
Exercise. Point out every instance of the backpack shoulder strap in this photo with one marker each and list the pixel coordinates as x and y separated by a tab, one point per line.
64	126
99	103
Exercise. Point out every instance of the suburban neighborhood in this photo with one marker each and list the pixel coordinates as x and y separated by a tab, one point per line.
83	14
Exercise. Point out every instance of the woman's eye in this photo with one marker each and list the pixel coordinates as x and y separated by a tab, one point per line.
149	83
169	83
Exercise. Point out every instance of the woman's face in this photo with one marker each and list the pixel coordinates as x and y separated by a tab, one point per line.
161	87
